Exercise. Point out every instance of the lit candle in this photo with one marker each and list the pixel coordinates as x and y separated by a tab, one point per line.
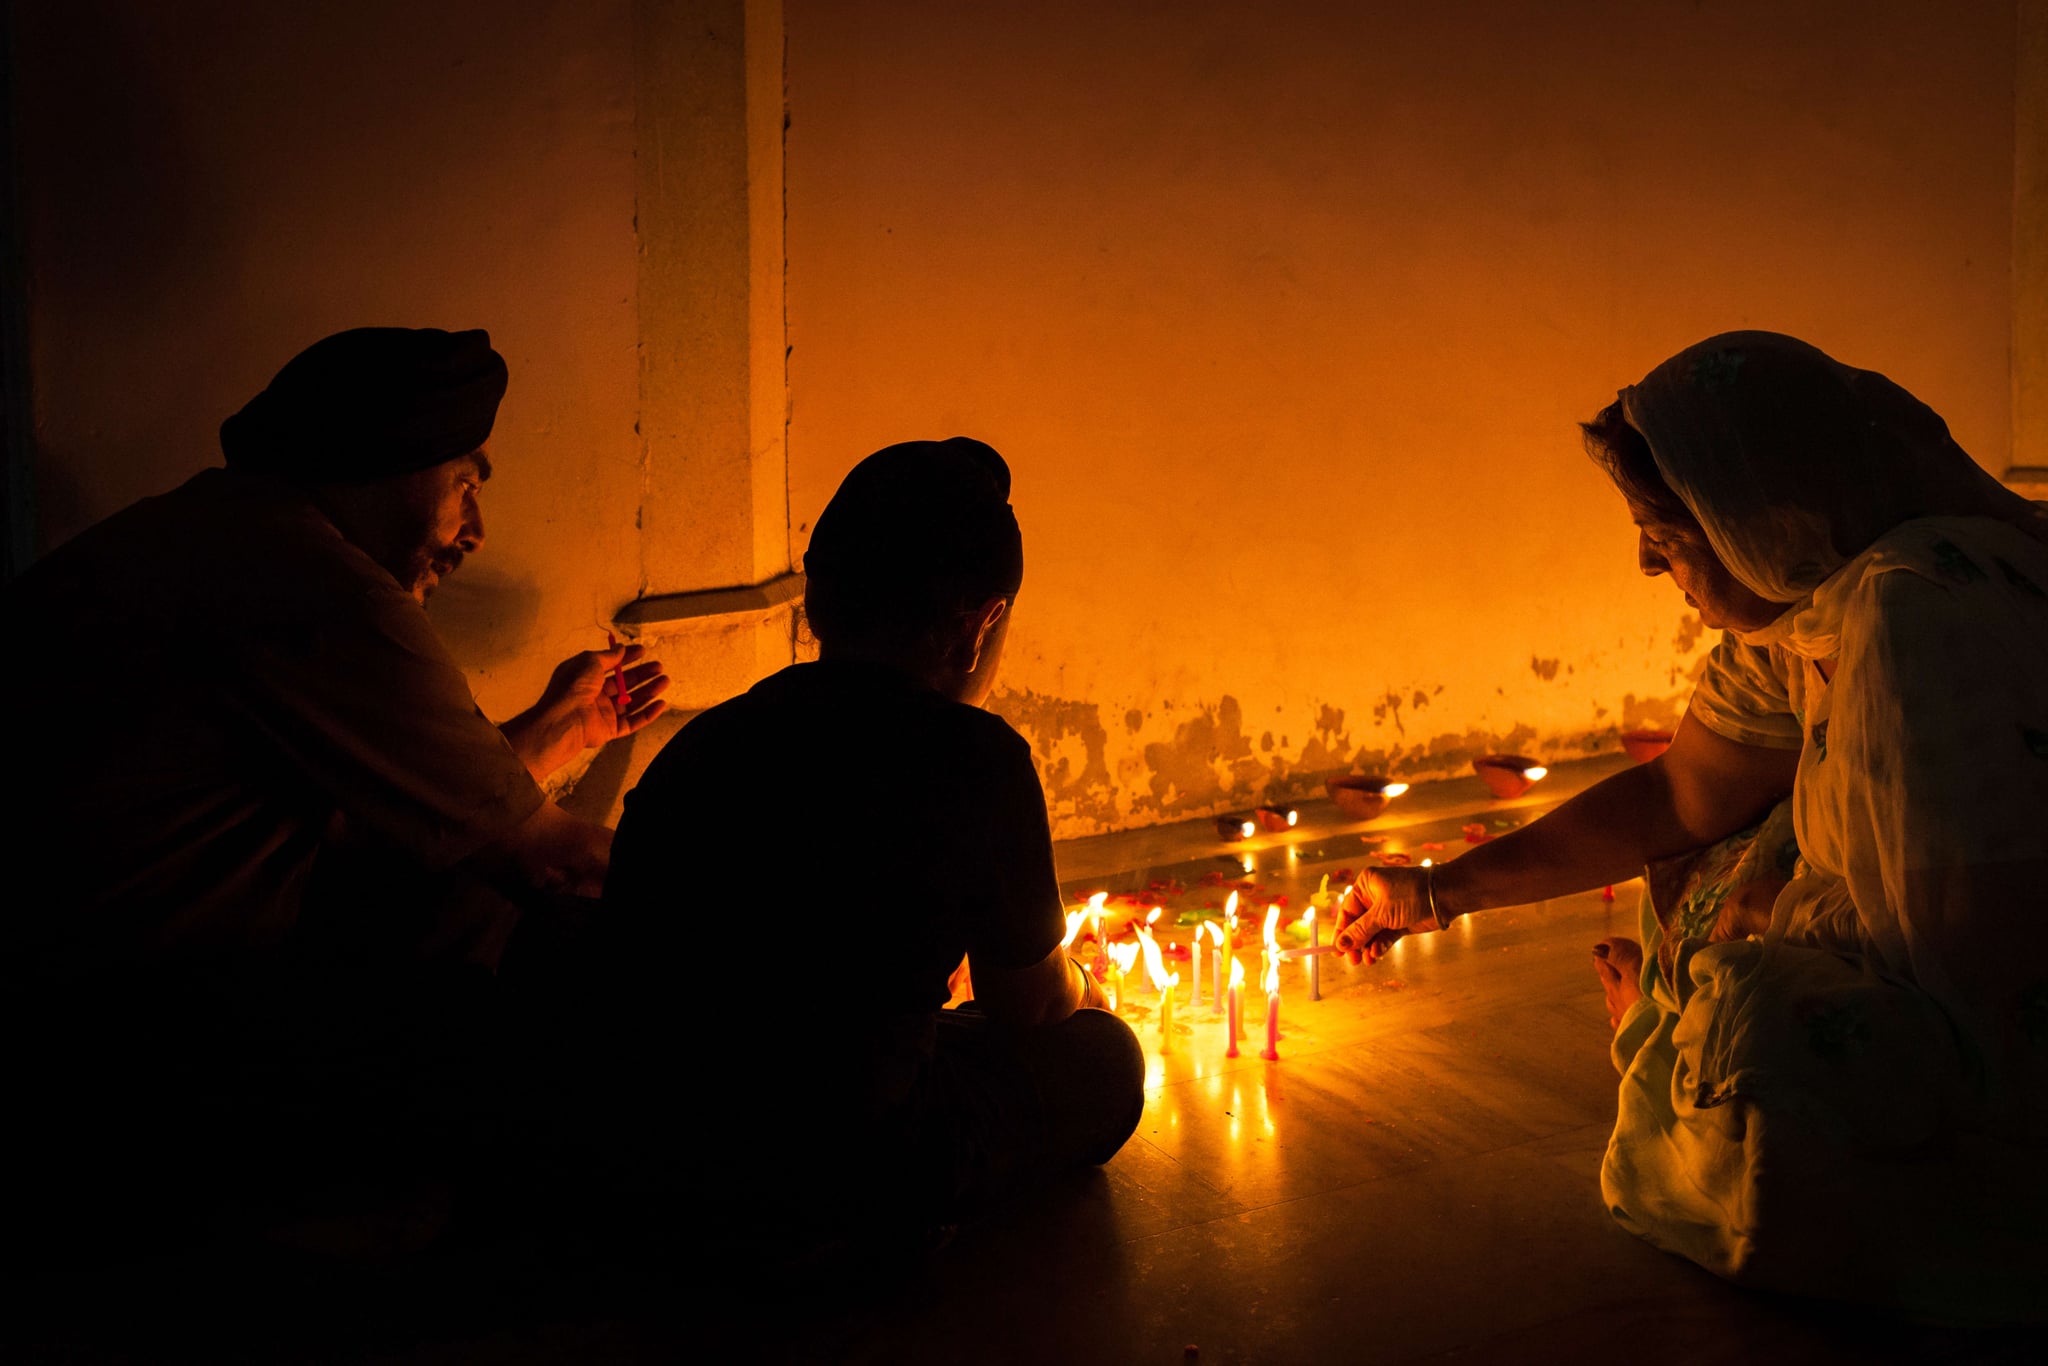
1195	962
1074	919
1122	957
1229	936
1236	1016
1155	962
1271	1052
1095	917
1315	960
1216	980
1166	1015
1155	966
1270	957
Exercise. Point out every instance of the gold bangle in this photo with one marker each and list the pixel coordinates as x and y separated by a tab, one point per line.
1429	885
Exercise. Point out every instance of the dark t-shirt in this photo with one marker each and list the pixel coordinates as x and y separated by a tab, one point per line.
209	684
816	856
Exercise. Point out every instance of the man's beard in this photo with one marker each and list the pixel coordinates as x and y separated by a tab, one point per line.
431	568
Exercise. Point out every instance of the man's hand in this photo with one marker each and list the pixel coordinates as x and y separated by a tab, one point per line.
581	707
584	692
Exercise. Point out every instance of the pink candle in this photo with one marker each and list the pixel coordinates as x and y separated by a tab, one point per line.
1236	1006
1271	1052
622	698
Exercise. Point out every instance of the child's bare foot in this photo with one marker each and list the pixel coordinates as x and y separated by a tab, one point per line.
1619	965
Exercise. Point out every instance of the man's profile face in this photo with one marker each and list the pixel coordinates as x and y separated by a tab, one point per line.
437	519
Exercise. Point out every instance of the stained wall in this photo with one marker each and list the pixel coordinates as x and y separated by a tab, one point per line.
1284	314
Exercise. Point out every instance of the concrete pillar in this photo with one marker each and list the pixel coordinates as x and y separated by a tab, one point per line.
2030	254
708	135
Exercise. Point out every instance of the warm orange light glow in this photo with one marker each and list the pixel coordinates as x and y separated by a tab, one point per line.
1121	959
1272	979
1230	910
1536	773
1236	972
1395	789
1272	927
1155	962
1308	918
1153	919
1074	919
1248	828
1292	816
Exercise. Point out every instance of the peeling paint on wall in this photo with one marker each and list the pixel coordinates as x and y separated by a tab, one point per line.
1163	767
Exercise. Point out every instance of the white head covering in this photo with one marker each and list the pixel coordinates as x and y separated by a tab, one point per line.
1794	463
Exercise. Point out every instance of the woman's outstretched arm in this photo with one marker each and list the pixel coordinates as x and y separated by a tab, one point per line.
1704	788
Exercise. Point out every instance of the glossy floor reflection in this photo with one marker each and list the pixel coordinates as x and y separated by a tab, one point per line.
1416	1179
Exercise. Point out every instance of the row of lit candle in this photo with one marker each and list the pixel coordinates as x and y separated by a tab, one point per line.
1118	962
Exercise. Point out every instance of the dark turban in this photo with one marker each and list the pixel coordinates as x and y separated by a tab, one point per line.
370	403
916	531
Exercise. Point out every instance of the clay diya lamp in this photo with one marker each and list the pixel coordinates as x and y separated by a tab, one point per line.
1276	819
1645	745
1508	775
1360	797
1234	828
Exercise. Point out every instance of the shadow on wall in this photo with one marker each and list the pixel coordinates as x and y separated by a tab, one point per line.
486	616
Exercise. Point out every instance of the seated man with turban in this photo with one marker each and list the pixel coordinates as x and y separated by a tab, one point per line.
261	783
854	1114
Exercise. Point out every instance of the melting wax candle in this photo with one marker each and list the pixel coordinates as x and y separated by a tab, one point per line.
1271	1052
1235	1020
1230	935
1166	1014
1315	960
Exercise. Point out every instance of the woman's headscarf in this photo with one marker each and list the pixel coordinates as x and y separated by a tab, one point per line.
1794	463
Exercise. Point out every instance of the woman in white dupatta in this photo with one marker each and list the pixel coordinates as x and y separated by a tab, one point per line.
1835	1080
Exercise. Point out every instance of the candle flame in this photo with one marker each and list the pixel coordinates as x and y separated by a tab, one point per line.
1272	982
1095	902
1247	829
1272	925
1535	772
1155	963
1074	919
1230	910
1394	789
1429	863
1125	956
1237	972
1209	926
1153	918
1308	917
1292	815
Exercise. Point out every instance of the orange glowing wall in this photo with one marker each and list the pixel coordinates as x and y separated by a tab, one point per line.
1284	314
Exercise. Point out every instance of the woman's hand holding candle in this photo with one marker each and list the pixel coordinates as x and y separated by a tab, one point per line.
1383	906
